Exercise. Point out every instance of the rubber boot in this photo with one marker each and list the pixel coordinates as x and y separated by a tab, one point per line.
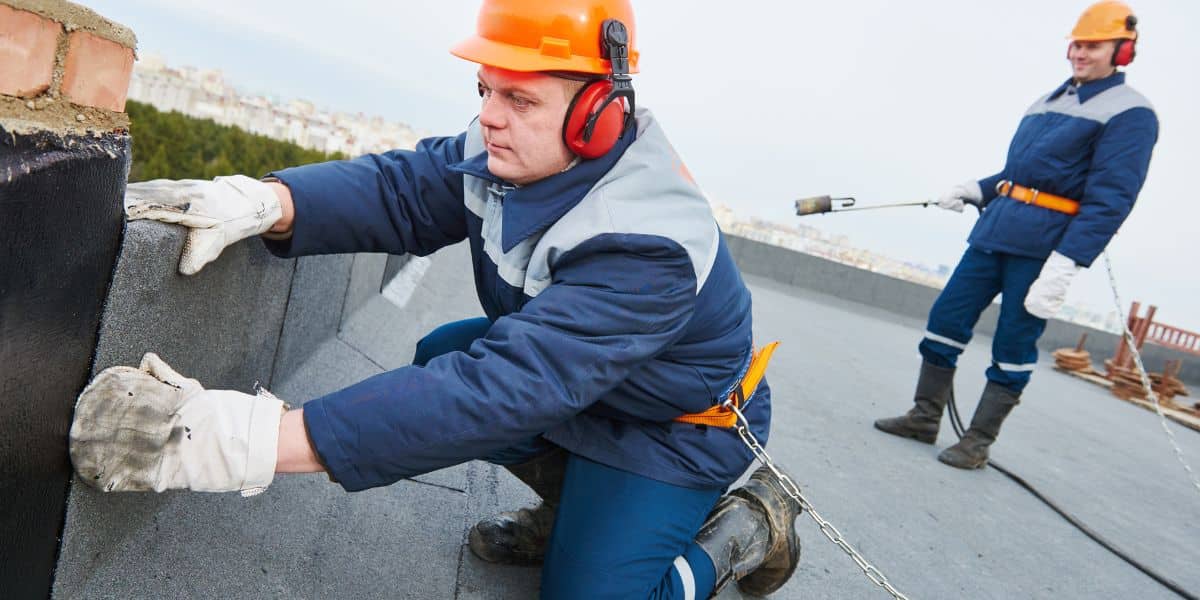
520	537
971	452
921	421
750	536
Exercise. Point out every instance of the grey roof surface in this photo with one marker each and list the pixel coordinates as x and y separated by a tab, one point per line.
935	531
939	532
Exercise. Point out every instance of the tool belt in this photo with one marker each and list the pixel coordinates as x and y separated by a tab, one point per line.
1035	197
723	416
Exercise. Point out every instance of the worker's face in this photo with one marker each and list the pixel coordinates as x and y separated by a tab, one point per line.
522	118
1091	60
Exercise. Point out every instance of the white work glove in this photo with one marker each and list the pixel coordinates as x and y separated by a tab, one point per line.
217	213
953	199
1049	290
152	429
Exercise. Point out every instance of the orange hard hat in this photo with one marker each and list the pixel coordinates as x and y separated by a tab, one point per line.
1108	20
546	35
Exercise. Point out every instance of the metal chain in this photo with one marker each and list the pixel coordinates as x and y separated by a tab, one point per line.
874	574
1137	359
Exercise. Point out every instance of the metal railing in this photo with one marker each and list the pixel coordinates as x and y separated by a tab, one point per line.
1174	338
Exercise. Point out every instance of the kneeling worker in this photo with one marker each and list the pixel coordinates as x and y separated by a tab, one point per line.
1075	167
616	325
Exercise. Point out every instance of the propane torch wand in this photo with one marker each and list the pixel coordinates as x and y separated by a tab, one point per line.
818	205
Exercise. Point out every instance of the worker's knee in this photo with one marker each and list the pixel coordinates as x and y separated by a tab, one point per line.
451	337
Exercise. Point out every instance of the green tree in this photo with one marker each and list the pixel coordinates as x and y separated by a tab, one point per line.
157	167
170	145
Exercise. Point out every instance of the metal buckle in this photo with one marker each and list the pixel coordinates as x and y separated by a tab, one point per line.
1005	187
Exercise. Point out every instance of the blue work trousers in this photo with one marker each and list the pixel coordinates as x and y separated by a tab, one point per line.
976	281
616	534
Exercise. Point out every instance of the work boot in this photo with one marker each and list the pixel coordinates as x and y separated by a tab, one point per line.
971	452
520	537
921	421
750	536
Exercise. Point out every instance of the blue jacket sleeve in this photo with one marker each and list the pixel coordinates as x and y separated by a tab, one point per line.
1118	170
400	202
615	302
987	185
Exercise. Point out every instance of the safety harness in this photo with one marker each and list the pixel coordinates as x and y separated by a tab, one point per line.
721	415
1037	197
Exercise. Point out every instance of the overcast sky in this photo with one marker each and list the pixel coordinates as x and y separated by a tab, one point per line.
768	101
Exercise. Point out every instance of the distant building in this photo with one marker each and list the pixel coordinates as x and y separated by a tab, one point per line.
810	240
205	94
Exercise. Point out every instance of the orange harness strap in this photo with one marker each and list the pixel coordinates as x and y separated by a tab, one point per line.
1021	193
723	416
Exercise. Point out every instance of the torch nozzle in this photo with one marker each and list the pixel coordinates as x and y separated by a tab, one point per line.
821	204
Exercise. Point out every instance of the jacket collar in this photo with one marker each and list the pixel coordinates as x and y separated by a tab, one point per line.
531	208
1090	89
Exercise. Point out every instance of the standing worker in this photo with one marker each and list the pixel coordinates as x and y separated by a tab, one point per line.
616	326
1074	169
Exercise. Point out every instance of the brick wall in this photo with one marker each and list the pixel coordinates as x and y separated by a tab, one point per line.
60	61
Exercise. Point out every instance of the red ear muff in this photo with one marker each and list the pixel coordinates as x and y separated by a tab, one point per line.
600	112
609	123
1125	52
1126	49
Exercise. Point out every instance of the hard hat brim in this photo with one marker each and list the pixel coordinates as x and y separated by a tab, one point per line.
1101	38
483	51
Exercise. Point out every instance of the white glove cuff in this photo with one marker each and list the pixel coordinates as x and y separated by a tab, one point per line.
263	443
1061	262
972	191
266	204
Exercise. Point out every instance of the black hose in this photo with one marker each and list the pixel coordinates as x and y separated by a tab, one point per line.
956	423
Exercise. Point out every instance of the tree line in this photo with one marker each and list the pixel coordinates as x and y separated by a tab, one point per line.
171	145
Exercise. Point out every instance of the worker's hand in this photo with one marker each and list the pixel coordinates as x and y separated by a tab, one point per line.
968	191
152	429
1049	290
217	213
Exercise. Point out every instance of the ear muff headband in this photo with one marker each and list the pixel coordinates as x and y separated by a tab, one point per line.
1126	49
602	110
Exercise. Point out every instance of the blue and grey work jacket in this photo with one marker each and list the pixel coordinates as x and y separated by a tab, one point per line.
1090	143
615	306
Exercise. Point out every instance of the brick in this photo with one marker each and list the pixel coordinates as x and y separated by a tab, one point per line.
97	71
27	46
